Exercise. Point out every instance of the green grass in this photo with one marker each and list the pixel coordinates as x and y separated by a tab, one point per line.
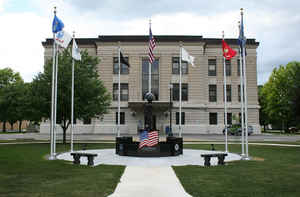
277	176
24	171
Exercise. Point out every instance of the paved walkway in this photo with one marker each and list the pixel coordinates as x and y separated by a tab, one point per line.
149	182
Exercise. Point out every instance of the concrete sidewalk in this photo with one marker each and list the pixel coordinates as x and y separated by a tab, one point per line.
149	182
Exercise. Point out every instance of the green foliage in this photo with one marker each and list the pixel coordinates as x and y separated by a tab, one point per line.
280	95
91	98
13	97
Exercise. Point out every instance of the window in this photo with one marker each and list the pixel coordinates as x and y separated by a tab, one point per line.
229	118
123	92
124	68
212	67
122	118
228	67
212	93
154	78
184	92
87	121
175	66
213	118
182	118
228	93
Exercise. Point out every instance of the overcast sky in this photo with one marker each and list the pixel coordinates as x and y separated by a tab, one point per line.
26	23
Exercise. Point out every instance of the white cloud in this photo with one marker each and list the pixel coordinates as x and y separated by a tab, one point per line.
21	47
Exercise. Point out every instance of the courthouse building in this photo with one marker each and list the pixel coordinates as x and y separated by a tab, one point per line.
202	85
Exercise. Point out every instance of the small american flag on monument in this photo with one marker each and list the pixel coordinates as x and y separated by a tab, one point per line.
151	46
148	138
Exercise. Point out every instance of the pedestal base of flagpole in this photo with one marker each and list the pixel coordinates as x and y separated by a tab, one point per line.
125	146
246	158
52	157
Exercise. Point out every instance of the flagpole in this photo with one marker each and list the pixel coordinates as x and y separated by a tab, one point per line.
242	100
55	100
52	156
119	91
72	99
180	100
245	94
225	102
149	68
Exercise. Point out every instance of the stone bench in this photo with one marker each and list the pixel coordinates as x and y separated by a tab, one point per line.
221	158
90	157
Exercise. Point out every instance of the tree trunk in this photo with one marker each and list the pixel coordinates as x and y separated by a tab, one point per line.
20	126
12	126
4	126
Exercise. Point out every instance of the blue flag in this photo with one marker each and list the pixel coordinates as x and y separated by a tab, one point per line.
57	25
242	39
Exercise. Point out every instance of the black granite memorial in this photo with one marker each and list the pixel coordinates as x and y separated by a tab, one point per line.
125	146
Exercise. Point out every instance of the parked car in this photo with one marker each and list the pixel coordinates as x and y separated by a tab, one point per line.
236	129
292	130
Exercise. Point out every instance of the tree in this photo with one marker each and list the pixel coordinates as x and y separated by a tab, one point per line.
8	81
263	116
281	94
91	98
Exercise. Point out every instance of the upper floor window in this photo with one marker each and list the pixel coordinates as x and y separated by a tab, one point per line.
124	68
124	96
228	67
212	93
228	93
154	78
184	92
175	66
212	67
229	118
238	67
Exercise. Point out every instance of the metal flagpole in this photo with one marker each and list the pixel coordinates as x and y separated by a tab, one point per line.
149	66
119	91
72	98
245	94
52	156
180	73
225	103
55	100
242	100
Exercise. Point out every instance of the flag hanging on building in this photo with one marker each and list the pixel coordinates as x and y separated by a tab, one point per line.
148	138
151	46
123	60
185	56
63	38
75	51
228	52
57	25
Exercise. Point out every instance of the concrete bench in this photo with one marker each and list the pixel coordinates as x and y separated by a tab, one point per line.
90	157
220	156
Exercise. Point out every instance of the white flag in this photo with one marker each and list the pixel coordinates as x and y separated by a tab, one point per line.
186	57
63	38
75	51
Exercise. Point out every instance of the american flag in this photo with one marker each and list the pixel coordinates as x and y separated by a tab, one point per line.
151	46
148	138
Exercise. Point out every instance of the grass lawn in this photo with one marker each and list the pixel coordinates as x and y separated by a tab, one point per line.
275	172
25	172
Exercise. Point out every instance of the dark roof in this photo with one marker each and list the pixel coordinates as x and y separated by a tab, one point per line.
159	38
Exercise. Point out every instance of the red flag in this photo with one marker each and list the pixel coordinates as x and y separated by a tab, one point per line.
228	52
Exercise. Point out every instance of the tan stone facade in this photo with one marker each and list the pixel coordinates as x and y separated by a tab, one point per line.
197	107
